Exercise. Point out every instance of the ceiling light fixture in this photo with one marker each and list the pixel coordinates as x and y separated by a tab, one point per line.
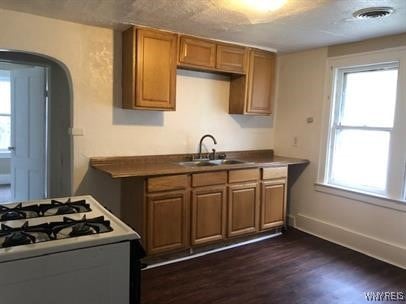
373	12
263	5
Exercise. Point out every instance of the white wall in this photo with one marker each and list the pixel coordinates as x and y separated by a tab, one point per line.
92	57
375	230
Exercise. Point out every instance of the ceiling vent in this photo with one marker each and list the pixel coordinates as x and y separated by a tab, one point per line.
373	12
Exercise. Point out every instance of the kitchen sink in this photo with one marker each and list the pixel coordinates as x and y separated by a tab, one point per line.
199	163
228	161
217	162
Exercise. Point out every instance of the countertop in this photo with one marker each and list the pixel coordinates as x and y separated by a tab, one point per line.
132	166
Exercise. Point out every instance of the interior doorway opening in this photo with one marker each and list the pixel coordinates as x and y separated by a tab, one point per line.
35	118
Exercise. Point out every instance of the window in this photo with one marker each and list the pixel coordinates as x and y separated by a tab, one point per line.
5	111
362	149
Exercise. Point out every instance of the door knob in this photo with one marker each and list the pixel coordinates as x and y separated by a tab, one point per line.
11	148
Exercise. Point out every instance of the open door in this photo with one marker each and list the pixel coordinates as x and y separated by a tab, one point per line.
28	133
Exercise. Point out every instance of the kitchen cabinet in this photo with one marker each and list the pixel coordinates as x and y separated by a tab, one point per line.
243	202
231	58
178	211
167	221
273	197
197	52
243	212
149	69
253	93
208	214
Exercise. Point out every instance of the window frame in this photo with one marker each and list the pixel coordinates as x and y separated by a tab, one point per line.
5	153
338	93
385	56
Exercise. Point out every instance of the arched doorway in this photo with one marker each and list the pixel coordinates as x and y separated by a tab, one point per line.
40	146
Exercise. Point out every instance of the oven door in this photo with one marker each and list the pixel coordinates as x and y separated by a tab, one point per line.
92	275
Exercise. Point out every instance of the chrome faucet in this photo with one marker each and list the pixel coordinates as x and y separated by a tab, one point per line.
201	142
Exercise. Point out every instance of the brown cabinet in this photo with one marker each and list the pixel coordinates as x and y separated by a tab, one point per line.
243	209
272	204
231	58
273	197
253	93
149	69
175	212
197	52
208	214
167	222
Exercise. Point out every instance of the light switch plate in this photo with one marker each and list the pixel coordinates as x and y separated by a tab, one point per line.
76	131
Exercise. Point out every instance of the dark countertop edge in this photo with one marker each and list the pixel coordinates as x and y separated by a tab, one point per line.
179	169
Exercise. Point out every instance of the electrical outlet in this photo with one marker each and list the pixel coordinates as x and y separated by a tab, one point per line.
295	141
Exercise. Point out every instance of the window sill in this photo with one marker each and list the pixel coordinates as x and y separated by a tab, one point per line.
5	154
368	198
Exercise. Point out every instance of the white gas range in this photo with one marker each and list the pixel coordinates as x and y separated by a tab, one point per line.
67	250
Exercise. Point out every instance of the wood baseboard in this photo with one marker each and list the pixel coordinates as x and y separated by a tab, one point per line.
391	253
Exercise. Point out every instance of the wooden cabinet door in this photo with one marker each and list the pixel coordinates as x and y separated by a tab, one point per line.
272	205
149	69
243	209
208	215
231	58
167	223
261	82
197	52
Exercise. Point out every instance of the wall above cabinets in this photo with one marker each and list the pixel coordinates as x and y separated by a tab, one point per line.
151	57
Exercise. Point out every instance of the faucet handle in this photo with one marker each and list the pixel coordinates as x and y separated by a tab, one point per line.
222	155
213	155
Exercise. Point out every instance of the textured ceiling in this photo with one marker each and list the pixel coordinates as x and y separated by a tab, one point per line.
300	24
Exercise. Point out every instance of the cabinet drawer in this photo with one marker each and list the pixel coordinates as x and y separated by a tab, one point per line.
210	178
236	176
164	183
269	173
197	52
231	58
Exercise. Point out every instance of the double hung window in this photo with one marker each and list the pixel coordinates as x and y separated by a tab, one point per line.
364	146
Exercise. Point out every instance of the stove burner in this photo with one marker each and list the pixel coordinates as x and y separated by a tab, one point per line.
68	207
72	228
18	212
24	235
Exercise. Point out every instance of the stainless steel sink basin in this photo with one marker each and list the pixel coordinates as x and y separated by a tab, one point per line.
227	161
199	163
217	162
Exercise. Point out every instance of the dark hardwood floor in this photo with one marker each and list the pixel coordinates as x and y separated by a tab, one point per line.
292	268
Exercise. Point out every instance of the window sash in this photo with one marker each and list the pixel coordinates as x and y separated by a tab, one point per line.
336	126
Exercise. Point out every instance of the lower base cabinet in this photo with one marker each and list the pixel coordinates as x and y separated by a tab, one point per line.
208	215
176	212
272	204
243	209
167	224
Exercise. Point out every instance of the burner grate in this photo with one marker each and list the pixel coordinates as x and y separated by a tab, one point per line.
68	228
42	210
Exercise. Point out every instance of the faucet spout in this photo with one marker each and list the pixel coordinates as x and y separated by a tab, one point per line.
201	143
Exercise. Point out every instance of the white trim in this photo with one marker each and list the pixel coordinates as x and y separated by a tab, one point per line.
388	252
360	196
5	154
193	256
387	56
5	179
364	54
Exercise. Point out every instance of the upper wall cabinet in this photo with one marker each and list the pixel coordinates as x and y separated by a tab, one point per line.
253	93
231	58
149	69
197	52
150	59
